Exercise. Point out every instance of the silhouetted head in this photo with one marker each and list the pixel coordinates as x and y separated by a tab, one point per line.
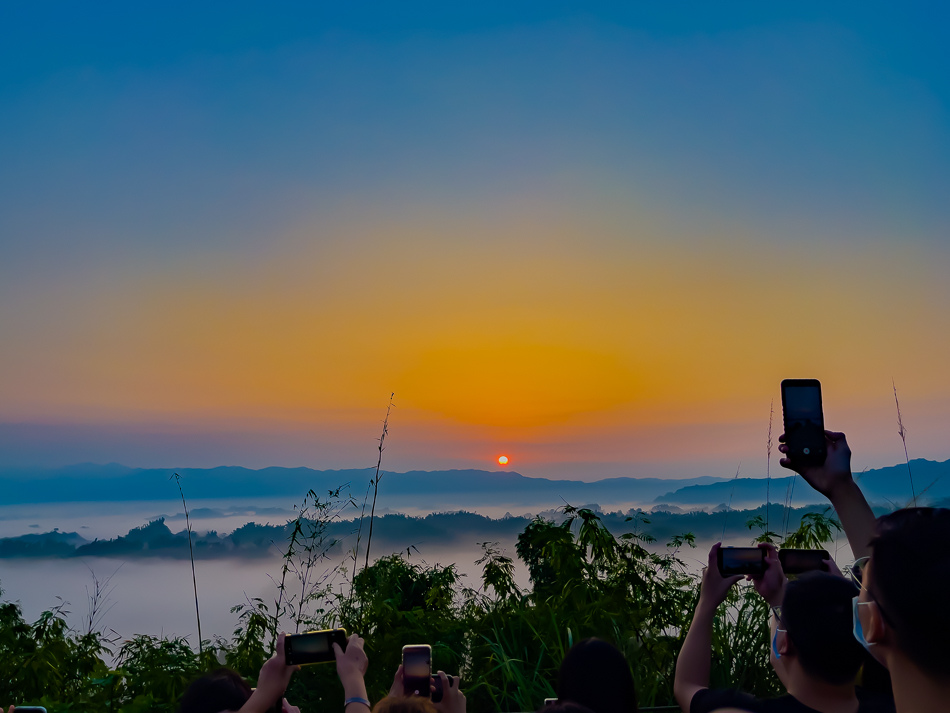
220	690
909	578
816	613
564	707
596	675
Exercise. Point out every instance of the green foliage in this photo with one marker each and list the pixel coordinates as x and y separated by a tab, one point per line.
506	642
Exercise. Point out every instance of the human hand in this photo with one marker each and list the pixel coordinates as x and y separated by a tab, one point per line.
453	700
351	664
287	708
397	690
275	675
830	475
771	585
715	587
833	568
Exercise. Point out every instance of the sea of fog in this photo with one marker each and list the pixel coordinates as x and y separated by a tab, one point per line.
155	596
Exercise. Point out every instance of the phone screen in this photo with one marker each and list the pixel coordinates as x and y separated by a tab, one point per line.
804	421
800	561
313	646
741	560
803	403
417	669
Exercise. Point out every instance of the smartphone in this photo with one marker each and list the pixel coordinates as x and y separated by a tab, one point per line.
313	646
800	561
804	421
29	709
438	693
550	701
741	560
417	669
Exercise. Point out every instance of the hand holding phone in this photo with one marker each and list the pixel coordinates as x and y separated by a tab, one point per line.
313	646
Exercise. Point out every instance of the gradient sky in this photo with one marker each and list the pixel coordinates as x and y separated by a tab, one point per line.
594	240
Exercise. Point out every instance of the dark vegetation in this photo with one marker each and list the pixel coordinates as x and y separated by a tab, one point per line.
589	576
394	532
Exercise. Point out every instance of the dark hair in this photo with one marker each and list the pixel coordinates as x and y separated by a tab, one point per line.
564	707
596	675
220	690
817	613
910	578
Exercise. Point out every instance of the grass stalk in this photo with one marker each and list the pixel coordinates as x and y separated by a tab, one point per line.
901	431
372	512
191	552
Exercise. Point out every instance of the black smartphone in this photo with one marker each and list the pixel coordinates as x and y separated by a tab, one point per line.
438	693
313	646
801	561
741	560
29	709
417	669
550	701
804	421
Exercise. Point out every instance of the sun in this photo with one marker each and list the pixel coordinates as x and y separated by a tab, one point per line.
502	460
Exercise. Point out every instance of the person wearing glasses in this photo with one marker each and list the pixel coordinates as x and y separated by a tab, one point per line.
812	649
901	613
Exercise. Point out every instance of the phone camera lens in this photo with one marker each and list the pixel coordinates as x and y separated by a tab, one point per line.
806	451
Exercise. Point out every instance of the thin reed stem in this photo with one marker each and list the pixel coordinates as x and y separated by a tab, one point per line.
903	434
372	512
191	552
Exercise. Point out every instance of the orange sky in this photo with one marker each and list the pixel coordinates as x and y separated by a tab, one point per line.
552	333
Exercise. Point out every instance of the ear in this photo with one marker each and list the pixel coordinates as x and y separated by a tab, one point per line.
782	643
877	628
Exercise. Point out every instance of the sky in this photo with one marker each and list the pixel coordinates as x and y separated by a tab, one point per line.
592	237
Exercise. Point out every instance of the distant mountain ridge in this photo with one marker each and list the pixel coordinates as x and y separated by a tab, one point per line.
430	489
114	482
884	486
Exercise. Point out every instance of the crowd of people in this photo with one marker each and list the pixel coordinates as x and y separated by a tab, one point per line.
884	625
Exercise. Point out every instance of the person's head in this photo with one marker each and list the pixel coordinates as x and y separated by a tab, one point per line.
905	587
408	704
220	690
564	707
596	675
817	624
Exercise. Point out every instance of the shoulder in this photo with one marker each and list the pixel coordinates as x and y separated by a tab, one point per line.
707	700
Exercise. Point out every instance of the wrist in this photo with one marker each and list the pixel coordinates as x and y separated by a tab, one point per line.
707	606
842	489
354	688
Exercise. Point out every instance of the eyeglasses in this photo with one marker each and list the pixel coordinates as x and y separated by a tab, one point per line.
856	571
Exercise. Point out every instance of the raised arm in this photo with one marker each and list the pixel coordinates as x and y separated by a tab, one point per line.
833	479
271	683
695	659
351	667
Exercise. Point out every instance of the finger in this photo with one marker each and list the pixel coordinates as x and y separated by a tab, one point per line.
834	435
781	439
280	652
783	448
713	557
732	580
786	463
